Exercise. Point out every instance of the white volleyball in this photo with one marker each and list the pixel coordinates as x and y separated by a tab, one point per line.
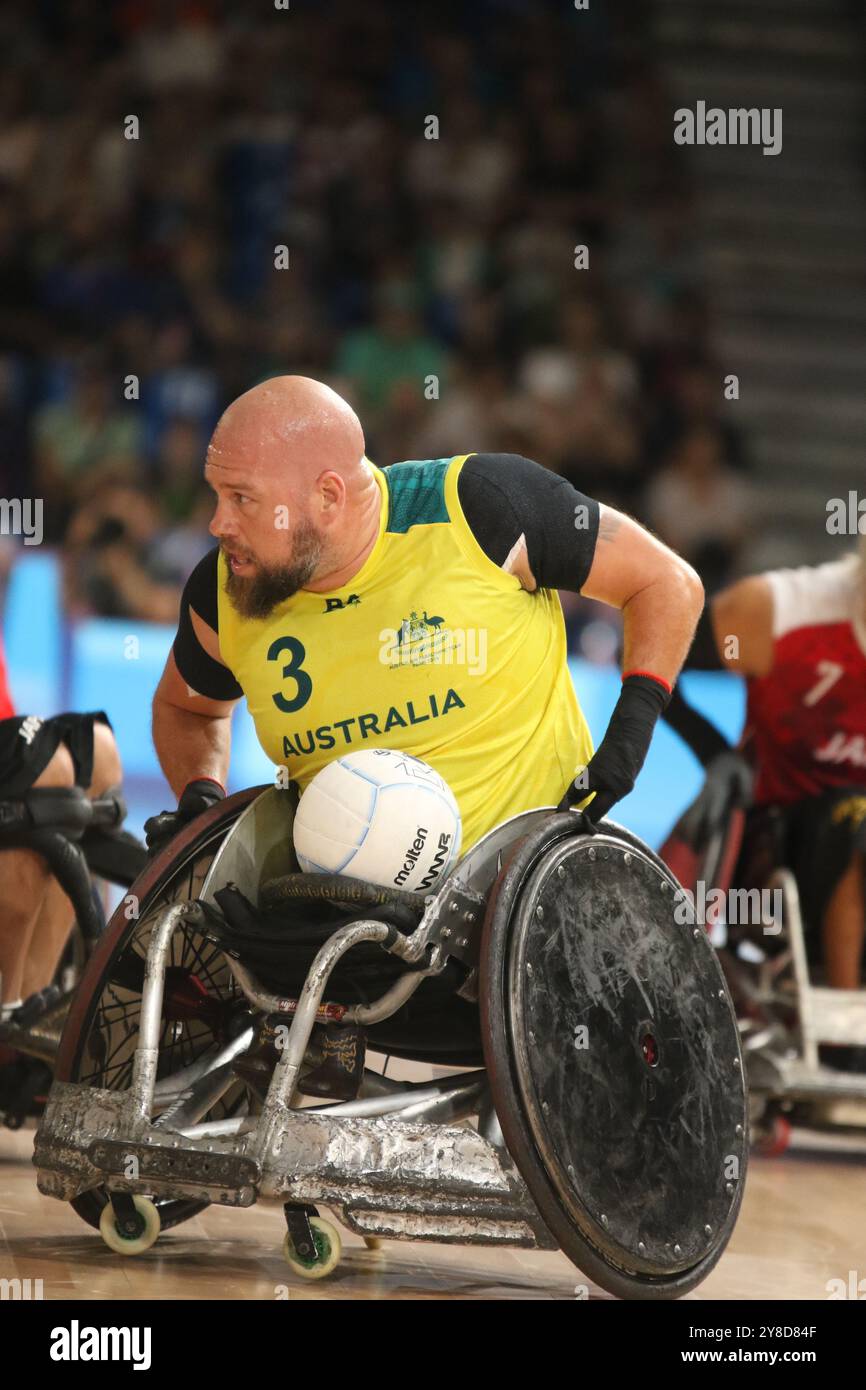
381	816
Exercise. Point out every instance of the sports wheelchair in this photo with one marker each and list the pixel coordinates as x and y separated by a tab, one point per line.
786	1014
78	838
594	1100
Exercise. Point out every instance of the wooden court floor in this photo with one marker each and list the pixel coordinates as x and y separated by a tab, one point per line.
803	1224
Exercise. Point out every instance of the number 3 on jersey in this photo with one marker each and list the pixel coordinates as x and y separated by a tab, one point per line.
293	671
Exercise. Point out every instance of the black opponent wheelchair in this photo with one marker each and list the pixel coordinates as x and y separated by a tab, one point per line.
78	838
593	1099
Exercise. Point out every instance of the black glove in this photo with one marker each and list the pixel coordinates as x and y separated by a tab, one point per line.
196	797
728	786
613	768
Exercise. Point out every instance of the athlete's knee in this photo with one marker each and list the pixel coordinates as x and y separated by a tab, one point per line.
107	768
59	771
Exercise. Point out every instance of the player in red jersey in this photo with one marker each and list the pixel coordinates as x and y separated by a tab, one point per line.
36	917
799	638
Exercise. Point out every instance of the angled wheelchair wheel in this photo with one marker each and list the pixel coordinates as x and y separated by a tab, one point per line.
614	1059
201	999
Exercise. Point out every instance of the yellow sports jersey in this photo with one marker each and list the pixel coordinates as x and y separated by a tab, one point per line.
430	649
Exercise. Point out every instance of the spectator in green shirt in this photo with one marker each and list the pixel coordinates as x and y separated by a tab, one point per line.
395	352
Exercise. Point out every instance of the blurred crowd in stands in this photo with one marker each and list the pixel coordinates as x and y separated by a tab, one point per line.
431	281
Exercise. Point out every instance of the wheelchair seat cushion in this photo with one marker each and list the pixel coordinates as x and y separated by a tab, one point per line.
279	942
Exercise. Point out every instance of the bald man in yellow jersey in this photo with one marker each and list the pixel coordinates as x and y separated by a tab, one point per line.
413	608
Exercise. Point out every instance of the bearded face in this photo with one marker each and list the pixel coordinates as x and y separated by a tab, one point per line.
257	595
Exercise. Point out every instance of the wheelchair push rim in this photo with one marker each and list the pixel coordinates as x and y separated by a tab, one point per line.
614	1061
176	874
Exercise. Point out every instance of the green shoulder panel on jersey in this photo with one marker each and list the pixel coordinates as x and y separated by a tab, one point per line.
416	493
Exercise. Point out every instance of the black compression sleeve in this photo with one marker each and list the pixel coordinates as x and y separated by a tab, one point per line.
504	496
199	670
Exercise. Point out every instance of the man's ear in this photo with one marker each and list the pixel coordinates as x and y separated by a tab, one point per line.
332	490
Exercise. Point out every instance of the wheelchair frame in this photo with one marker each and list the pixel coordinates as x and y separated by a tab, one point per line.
777	1070
783	1064
455	1184
394	1162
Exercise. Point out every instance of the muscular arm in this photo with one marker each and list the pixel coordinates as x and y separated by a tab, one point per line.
191	734
742	622
538	527
660	596
197	693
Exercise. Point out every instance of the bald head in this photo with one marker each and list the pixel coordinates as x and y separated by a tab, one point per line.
291	427
295	494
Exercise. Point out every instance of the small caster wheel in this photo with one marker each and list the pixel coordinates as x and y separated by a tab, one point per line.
329	1248
373	1242
148	1224
774	1137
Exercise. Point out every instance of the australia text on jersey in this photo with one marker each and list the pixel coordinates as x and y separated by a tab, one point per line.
373	722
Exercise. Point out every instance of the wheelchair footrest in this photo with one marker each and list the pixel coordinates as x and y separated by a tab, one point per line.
174	1164
77	1148
410	1179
